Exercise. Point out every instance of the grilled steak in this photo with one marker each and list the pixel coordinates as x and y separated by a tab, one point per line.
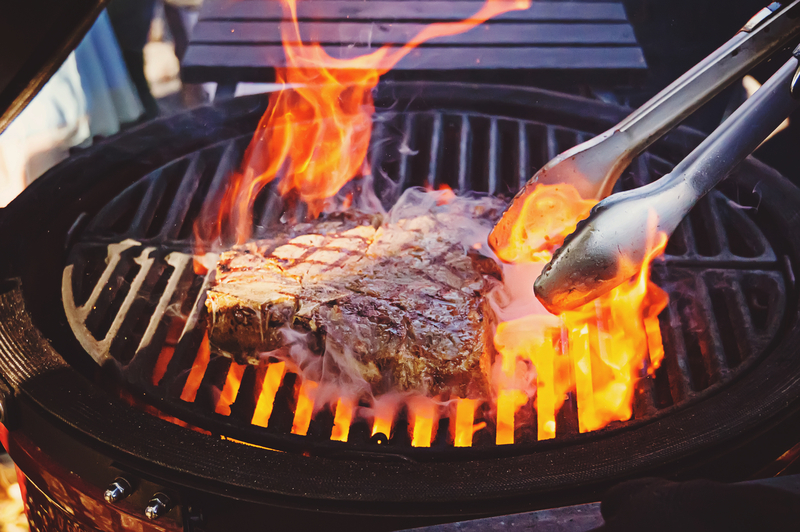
399	304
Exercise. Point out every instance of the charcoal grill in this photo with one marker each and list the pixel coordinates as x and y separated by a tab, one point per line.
114	251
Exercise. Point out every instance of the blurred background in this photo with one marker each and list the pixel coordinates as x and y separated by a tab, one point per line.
127	70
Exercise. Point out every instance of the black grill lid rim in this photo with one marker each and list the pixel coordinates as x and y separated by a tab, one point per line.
45	56
369	481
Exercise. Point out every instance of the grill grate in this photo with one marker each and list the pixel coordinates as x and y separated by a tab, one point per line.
133	300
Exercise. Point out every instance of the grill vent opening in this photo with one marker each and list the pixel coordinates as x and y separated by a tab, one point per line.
536	135
721	300
508	161
702	224
760	297
450	146
479	155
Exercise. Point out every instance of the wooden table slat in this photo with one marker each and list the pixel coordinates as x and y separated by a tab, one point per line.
435	58
377	10
366	34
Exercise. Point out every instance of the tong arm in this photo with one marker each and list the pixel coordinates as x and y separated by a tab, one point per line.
611	245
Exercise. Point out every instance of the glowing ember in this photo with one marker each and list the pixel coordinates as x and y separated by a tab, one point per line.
231	388
266	399
305	408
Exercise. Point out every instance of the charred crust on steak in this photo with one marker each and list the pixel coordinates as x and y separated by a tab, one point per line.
403	301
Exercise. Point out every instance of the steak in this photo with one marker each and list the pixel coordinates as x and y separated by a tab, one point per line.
400	305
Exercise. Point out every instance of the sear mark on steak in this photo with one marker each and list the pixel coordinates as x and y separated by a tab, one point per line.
402	302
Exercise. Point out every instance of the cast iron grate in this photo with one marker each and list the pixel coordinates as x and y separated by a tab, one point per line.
135	303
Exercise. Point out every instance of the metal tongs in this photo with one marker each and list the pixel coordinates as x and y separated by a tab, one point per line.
610	246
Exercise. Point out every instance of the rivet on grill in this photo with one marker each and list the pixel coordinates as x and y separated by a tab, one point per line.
379	439
117	490
158	506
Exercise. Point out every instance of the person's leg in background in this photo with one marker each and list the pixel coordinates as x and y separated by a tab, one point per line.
131	21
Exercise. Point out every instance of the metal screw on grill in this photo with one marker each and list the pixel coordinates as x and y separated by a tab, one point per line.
158	506
117	490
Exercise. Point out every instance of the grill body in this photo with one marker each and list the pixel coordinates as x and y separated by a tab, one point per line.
720	407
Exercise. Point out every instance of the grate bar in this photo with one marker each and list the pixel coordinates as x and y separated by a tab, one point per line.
436	136
209	261
179	261
552	143
463	153
715	363
76	316
156	186
524	162
405	149
493	157
227	164
675	358
183	199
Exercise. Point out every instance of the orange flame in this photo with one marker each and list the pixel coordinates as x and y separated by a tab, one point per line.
230	389
342	419
174	332
423	414
316	131
508	403
304	408
313	139
548	215
269	388
465	426
597	350
385	408
199	366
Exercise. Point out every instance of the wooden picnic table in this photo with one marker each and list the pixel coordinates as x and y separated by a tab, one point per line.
549	43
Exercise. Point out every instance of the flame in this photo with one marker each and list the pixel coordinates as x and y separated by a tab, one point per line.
315	133
199	366
508	403
230	389
304	408
548	215
312	140
384	408
597	350
167	350
269	388
342	419
423	414
465	426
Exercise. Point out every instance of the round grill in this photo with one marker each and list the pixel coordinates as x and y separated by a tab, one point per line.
131	296
115	239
